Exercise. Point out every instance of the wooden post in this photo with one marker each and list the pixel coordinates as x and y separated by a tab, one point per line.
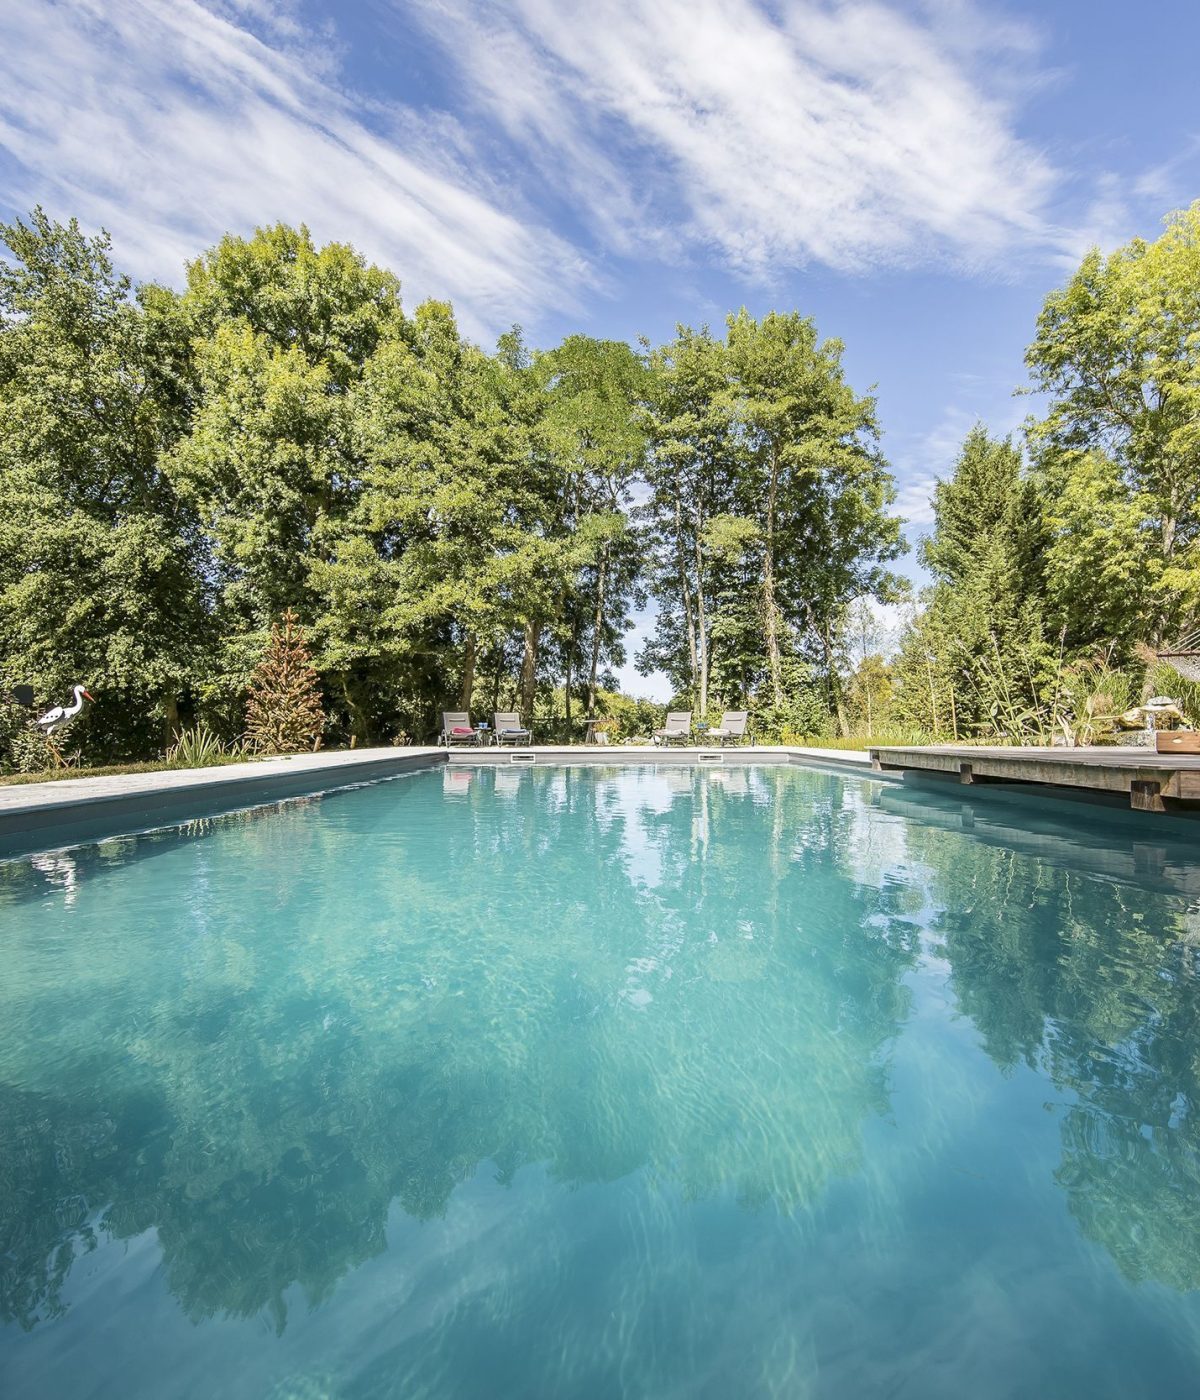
1145	795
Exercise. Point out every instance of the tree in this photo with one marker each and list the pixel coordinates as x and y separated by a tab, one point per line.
1118	353
814	482
101	561
869	694
982	623
283	333
691	513
591	424
453	497
769	503
283	711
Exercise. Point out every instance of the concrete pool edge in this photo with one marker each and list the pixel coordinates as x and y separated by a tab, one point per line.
57	815
37	816
80	809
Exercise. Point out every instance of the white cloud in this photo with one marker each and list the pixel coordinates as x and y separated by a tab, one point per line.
851	135
921	460
914	499
170	123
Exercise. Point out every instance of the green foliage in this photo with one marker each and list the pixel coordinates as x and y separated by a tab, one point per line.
1166	680
1116	351
768	513
100	560
869	695
626	717
804	711
454	526
283	712
197	747
1093	695
976	662
23	747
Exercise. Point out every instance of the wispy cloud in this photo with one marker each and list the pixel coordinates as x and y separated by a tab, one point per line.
920	461
169	123
851	135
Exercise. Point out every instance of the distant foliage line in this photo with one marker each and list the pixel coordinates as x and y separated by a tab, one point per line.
449	527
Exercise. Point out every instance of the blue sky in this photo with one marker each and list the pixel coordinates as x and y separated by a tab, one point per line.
916	176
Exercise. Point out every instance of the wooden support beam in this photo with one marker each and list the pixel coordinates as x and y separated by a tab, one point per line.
1145	795
1153	782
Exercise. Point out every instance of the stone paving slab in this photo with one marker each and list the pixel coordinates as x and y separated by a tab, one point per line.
18	797
649	753
69	810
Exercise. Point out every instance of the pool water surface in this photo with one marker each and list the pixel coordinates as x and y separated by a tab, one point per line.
620	1082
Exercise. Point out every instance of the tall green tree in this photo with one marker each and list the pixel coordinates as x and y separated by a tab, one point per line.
696	535
591	424
814	482
101	561
984	612
769	502
283	331
1117	352
454	498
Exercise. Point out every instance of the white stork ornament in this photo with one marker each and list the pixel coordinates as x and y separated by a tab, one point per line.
59	717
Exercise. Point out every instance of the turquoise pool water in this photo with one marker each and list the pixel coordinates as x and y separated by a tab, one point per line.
604	1083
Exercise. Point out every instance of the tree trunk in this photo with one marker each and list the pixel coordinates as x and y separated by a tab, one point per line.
770	606
1170	525
359	729
701	624
597	627
835	688
468	676
170	704
689	615
533	634
497	675
570	675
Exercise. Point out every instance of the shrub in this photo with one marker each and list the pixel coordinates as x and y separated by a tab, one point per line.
1166	680
198	747
283	713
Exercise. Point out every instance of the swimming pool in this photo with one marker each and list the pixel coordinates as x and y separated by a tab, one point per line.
604	1082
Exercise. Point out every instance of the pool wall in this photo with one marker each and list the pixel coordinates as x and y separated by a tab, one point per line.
40	816
37	816
44	816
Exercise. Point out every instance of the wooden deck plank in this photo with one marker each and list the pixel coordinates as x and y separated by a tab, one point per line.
1152	781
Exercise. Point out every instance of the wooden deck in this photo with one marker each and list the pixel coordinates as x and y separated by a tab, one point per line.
1153	782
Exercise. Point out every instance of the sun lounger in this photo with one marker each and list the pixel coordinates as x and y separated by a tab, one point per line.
508	728
677	730
732	726
456	729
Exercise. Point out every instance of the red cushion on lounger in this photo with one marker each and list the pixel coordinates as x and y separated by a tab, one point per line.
462	729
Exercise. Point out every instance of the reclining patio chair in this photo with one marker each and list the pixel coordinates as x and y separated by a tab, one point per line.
508	728
678	728
456	729
732	726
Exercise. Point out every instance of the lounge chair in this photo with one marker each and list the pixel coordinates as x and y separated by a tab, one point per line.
732	726
678	728
456	729
508	728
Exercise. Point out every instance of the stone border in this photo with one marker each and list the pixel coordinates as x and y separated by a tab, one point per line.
666	755
39	816
36	815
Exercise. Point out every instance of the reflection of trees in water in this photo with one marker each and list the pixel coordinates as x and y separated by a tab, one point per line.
260	1101
1095	983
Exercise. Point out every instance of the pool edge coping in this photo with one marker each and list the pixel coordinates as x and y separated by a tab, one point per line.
45	812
